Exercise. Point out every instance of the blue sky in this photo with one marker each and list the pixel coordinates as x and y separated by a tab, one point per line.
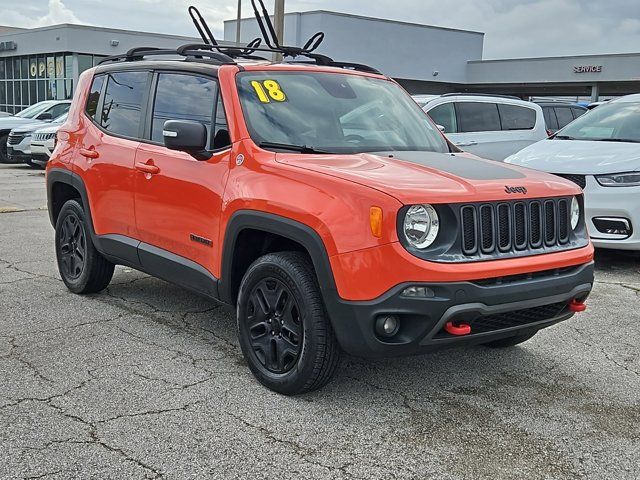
514	28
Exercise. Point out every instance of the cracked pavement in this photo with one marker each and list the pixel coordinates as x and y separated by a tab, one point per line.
146	380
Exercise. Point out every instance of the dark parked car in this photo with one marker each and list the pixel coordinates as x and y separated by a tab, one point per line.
558	115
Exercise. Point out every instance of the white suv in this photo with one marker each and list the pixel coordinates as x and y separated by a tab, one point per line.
489	126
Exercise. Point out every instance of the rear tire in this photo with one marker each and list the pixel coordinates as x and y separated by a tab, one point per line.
82	268
283	328
510	341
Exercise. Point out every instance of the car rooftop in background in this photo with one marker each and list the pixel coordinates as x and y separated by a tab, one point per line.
490	126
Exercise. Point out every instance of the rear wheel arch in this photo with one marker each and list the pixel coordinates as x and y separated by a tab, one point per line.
252	234
63	185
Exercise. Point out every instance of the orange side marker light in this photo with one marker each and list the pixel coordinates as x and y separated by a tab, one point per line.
375	221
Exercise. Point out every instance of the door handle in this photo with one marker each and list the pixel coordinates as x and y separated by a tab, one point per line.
89	152
466	144
149	168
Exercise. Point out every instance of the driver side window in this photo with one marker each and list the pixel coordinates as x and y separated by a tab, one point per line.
181	96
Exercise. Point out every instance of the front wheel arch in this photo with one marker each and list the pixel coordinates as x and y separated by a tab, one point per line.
288	235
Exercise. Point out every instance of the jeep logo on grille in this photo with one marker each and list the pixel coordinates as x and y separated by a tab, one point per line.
509	189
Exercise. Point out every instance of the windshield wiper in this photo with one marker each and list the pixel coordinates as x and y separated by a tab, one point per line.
563	137
295	148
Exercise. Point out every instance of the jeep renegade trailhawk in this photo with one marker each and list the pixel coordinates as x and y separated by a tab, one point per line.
316	197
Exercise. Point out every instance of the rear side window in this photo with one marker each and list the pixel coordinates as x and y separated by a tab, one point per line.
183	97
513	117
478	117
94	96
550	118
121	108
565	117
445	115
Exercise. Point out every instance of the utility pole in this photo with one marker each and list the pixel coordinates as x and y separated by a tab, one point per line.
238	21
278	23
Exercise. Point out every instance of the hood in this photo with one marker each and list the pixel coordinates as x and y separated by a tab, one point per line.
7	123
580	157
29	127
417	177
50	128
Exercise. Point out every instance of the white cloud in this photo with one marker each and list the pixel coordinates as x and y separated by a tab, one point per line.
58	13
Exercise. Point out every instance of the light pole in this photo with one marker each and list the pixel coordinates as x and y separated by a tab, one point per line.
278	21
238	21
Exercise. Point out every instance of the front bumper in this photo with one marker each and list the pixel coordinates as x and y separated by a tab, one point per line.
17	156
495	308
612	202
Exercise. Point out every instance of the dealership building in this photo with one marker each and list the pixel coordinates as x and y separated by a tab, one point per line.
44	63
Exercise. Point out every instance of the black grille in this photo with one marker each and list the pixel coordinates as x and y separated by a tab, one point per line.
14	138
579	180
517	318
535	224
514	226
469	243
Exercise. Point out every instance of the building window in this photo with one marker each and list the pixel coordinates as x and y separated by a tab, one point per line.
26	80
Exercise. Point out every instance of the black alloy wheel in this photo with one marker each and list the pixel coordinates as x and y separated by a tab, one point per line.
82	268
73	246
284	331
275	326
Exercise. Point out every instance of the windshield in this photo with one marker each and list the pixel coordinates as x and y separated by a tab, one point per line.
33	110
614	122
336	113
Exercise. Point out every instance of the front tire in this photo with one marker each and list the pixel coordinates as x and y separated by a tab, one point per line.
283	328
82	268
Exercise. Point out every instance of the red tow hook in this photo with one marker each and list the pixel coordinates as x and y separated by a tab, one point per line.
459	329
577	306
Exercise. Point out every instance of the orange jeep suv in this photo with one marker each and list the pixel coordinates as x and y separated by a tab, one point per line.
319	200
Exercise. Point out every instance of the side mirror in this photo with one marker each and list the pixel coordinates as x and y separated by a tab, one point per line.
441	128
46	116
186	136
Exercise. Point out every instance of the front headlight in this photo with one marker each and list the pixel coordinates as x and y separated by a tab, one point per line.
631	179
421	225
575	212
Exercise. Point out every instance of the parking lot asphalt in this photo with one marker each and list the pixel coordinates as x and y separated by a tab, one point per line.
146	380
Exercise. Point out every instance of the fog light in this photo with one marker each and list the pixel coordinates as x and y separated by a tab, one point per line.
416	291
613	225
387	325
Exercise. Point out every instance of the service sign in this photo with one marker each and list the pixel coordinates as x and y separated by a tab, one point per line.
587	69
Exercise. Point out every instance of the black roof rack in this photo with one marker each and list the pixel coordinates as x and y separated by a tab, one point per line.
211	51
189	50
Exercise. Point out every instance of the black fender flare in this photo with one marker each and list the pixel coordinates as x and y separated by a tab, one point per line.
62	175
282	226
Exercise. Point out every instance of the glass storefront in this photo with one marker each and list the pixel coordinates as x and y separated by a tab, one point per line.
25	80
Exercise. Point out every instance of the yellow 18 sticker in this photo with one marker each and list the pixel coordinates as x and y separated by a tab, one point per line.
268	90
